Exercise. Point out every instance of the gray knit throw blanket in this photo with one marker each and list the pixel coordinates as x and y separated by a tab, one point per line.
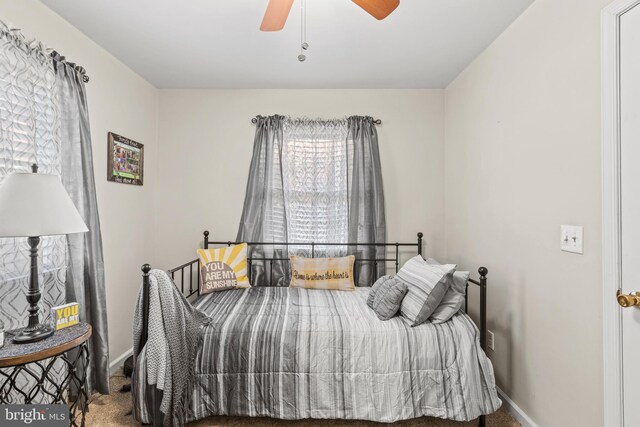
174	337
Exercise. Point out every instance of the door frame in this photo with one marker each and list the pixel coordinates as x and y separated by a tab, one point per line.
611	224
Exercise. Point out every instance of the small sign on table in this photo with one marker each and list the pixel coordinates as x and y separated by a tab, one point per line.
65	315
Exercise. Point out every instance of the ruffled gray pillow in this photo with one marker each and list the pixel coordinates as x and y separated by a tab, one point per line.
386	297
374	289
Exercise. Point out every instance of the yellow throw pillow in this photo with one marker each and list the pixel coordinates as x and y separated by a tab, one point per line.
223	268
323	273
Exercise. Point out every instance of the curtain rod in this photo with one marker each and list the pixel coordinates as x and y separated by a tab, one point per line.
56	56
39	48
375	121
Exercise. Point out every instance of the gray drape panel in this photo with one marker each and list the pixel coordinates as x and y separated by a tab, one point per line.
264	216
85	274
366	198
272	174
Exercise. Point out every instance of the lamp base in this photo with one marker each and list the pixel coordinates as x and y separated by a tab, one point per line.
37	333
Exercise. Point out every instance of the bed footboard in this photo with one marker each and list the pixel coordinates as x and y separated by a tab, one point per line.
482	283
146	268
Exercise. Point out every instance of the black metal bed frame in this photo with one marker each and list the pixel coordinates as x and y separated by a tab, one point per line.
146	268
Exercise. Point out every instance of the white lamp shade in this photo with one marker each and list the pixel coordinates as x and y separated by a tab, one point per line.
35	204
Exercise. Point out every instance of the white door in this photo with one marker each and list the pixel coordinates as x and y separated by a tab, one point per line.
629	75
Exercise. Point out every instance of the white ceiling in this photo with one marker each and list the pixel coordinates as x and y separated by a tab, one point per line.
217	44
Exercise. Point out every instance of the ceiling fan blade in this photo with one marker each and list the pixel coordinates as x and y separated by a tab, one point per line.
379	9
276	15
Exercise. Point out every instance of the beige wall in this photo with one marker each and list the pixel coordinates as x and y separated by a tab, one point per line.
523	157
521	124
119	101
205	146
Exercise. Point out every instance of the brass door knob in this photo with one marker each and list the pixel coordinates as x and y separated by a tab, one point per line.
633	299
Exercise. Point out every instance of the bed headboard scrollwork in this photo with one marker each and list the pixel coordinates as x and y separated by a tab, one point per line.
312	250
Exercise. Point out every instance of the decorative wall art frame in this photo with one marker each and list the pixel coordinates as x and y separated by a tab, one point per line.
125	160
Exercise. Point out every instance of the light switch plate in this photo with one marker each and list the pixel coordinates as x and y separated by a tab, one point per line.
491	340
571	238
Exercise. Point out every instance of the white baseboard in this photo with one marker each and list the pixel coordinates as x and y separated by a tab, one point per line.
118	361
515	411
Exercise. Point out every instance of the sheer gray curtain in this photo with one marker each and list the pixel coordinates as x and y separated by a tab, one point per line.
29	134
314	181
85	274
315	165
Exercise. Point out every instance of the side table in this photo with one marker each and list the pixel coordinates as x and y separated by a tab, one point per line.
27	374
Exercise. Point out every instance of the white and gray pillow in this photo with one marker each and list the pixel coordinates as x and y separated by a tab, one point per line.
427	284
453	300
386	296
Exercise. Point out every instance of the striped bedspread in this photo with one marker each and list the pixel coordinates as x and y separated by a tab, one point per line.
297	353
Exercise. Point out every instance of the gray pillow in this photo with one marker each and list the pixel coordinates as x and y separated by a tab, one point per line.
427	284
387	297
376	287
453	300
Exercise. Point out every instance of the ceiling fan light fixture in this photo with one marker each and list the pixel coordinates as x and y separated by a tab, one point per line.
275	17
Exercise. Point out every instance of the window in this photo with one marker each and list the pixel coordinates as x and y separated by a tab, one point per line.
315	183
29	133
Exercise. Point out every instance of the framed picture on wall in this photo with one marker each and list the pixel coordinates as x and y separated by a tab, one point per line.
125	160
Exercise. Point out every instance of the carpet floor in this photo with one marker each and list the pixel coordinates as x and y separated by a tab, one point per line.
114	410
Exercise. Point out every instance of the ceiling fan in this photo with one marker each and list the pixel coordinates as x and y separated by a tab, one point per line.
278	11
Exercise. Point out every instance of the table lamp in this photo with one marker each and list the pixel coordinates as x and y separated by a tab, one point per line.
34	205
